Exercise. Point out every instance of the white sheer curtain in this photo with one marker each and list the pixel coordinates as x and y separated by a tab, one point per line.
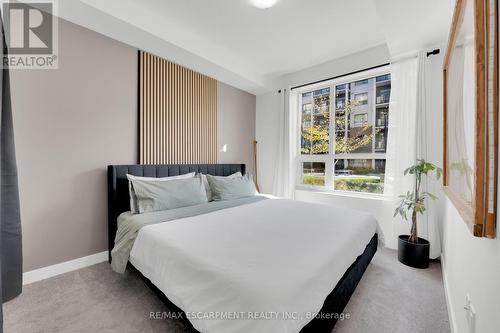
409	112
285	173
401	145
429	223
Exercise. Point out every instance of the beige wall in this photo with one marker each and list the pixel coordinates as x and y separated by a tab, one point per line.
69	124
72	122
236	125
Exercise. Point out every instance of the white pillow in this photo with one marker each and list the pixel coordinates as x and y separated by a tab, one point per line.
225	188
176	193
207	185
133	198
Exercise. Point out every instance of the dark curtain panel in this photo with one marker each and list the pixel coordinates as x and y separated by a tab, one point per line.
11	274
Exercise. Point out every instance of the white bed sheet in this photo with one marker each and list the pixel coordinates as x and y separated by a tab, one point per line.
270	264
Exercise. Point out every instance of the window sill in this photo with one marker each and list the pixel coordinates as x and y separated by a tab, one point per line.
354	195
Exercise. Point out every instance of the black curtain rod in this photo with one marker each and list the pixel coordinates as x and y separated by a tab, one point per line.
339	76
433	52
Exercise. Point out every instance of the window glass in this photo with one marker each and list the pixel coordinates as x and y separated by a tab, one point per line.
361	82
315	124
359	175
386	77
360	119
313	173
355	153
362	98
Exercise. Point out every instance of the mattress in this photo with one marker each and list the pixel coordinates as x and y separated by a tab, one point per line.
261	267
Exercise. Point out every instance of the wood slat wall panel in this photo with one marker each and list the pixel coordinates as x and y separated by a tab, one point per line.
177	113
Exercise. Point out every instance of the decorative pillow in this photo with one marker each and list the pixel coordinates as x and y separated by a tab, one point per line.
133	198
176	193
207	186
224	188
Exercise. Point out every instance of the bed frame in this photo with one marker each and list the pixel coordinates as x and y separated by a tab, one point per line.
119	202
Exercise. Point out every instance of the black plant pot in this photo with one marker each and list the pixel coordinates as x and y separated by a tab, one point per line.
413	254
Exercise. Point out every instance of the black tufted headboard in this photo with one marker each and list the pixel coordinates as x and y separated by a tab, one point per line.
118	195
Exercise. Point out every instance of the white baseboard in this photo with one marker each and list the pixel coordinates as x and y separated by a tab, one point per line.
64	267
451	314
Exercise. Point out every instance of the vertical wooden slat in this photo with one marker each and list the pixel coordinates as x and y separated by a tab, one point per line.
171	114
180	120
203	109
141	98
142	110
146	108
148	112
150	107
214	120
167	112
209	118
177	113
197	115
175	140
162	110
189	122
144	113
184	115
154	137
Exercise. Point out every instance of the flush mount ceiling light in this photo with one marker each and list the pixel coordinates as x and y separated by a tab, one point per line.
264	3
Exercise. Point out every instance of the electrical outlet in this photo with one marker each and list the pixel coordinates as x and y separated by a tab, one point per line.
470	314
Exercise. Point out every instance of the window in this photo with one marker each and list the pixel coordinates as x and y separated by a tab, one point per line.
343	147
360	82
315	123
360	119
386	77
313	173
362	98
358	175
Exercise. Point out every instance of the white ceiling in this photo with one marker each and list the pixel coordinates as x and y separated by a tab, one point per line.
412	25
256	46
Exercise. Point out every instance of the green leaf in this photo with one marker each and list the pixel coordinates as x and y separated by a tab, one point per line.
439	172
410	203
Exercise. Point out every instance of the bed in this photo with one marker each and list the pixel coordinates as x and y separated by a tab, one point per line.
259	265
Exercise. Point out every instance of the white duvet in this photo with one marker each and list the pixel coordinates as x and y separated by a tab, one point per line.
264	267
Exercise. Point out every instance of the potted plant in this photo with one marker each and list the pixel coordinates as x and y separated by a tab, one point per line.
413	250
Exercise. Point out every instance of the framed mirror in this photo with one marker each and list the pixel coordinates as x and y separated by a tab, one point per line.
470	137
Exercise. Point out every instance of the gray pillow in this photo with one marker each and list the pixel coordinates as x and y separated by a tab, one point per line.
154	196
224	188
133	198
207	186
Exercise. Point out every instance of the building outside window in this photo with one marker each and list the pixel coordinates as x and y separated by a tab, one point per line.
343	148
361	98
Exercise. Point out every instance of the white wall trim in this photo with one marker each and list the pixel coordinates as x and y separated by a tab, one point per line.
63	267
447	295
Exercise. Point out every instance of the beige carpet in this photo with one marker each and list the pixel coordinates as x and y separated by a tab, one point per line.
390	298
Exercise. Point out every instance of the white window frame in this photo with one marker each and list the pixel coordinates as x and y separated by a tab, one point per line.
329	158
